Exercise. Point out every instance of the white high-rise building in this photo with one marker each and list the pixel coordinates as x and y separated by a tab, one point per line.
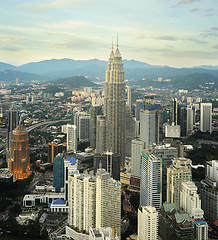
191	203
151	180
177	173
137	148
71	137
82	201
147	223
206	117
108	202
129	95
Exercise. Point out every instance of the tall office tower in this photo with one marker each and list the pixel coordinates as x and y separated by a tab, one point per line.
175	223
139	106
58	172
115	105
53	149
147	223
13	118
137	148
71	137
84	129
129	96
174	111
177	173
190	120
95	111
100	135
206	117
108	202
149	125
151	180
1	112
70	165
82	201
191	203
182	120
130	130
167	153
19	164
209	189
77	115
110	162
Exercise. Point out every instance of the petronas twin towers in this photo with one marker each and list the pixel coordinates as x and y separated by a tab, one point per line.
115	105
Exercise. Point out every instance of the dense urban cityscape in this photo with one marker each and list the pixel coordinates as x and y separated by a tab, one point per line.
109	161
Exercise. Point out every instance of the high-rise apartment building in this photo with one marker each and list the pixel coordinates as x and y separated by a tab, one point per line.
115	105
95	111
19	164
206	117
174	111
100	135
84	128
191	203
177	173
71	137
82	201
151	180
209	189
108	202
58	172
147	223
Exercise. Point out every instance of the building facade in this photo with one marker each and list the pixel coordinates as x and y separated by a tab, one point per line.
206	117
71	137
58	172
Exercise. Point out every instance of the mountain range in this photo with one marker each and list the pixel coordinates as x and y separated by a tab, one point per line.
94	70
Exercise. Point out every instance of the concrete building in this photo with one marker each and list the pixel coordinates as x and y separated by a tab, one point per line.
71	137
151	180
95	111
177	173
100	135
206	117
174	111
110	162
58	172
82	201
209	187
101	234
108	202
147	223
191	203
115	105
84	128
53	149
129	96
167	153
19	164
137	148
172	131
149	125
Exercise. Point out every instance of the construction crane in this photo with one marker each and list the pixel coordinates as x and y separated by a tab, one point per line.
148	99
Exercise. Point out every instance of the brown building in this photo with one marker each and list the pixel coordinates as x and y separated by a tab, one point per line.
19	164
53	149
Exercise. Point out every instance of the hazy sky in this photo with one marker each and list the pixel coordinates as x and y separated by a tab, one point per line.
178	33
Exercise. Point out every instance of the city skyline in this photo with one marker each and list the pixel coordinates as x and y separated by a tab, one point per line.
178	33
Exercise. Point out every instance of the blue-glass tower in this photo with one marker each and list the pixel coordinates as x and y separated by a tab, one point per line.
58	172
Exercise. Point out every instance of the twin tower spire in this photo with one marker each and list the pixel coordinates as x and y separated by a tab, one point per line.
117	52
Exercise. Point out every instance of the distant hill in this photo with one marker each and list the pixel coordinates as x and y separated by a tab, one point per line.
75	82
5	66
11	75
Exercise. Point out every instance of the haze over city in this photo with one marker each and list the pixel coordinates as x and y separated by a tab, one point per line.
179	33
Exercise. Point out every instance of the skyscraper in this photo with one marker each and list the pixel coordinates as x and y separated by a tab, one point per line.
84	128
58	172
95	111
71	137
147	223
108	202
100	134
206	117
129	96
174	111
115	105
19	164
177	173
151	180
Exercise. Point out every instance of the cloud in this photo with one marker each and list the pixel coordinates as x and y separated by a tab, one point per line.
8	38
196	40
212	32
187	1
167	38
194	10
11	49
140	36
209	10
215	46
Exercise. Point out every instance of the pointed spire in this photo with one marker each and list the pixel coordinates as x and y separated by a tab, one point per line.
117	53
112	49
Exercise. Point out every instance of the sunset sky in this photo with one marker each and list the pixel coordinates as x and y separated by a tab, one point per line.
180	33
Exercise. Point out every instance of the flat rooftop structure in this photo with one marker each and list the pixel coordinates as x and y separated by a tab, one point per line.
72	160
